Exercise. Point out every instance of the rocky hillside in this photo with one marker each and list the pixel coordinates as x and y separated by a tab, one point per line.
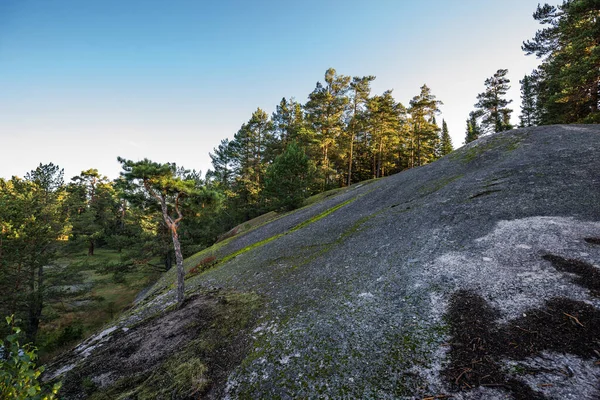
475	277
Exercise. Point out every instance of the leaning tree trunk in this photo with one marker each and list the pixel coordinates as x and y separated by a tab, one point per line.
172	226
180	270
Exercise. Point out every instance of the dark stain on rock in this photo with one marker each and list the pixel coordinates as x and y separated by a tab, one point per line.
592	240
588	276
479	344
484	193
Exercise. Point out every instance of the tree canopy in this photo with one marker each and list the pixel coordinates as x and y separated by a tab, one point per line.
567	81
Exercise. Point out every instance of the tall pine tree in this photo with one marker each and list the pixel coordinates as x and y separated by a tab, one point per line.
360	89
384	120
492	106
326	108
422	110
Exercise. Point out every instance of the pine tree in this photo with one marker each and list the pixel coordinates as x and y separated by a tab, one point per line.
360	89
171	193
491	104
326	108
288	123
93	208
384	116
436	140
221	177
249	153
423	109
32	219
569	77
49	177
445	140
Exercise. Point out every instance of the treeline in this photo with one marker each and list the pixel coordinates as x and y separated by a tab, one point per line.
341	135
564	89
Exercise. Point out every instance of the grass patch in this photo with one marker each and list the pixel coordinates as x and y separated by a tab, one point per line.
324	195
249	225
322	215
295	228
334	192
250	247
204	264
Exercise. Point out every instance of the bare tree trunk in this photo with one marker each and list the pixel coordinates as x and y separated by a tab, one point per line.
326	164
35	304
379	168
91	248
173	225
180	270
350	159
418	155
411	161
594	94
374	165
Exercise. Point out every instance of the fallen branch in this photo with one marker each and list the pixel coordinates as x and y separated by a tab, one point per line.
525	330
462	373
573	318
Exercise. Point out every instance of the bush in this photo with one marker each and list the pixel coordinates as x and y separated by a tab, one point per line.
18	372
64	336
288	179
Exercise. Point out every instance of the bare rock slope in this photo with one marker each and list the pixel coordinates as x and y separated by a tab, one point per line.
475	277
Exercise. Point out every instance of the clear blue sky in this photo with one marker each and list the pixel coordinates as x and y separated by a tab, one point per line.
82	82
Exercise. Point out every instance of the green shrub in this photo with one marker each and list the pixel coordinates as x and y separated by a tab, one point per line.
18	372
288	178
63	336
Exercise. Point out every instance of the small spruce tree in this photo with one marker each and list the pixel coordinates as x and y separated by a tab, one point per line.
446	141
529	107
473	128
